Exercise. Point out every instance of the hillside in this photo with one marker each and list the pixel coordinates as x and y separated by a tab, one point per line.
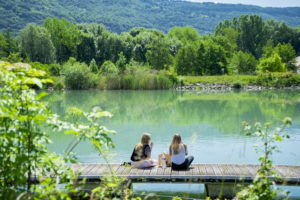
122	15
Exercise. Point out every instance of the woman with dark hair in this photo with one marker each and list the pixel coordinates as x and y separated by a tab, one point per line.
178	151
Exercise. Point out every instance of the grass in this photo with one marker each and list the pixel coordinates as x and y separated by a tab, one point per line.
243	79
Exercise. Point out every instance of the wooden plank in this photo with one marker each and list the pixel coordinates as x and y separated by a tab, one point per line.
252	169
216	170
209	170
287	171
160	171
134	171
201	170
236	170
189	172
147	171
86	169
224	168
244	171
154	171
168	171
197	172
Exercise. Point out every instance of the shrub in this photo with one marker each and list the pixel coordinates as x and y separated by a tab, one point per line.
272	64
127	81
78	76
242	63
278	79
40	66
55	69
237	85
108	68
93	66
58	83
113	82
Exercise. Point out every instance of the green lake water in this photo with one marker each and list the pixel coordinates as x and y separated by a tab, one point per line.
209	123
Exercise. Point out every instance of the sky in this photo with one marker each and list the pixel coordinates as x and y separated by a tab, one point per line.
263	3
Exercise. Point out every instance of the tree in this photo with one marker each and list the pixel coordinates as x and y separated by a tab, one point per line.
64	36
215	59
121	63
287	54
272	64
186	60
251	33
285	51
86	49
3	45
158	53
242	63
184	34
35	44
93	66
7	44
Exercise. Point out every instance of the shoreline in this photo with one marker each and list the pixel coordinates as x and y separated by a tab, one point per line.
229	87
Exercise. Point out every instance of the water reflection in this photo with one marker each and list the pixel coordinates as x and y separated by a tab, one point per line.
209	123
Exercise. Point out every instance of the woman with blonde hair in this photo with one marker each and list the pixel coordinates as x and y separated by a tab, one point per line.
141	155
178	151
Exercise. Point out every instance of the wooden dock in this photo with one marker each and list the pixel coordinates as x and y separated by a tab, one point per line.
201	173
219	179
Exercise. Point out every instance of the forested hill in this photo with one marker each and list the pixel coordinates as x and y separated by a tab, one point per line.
122	15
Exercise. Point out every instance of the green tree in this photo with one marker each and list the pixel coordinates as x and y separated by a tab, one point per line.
272	64
184	34
121	63
93	66
7	44
215	59
35	44
287	54
86	49
186	60
64	36
3	46
158	53
243	63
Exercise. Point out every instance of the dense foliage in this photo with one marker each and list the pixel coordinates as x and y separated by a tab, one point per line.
101	59
25	121
122	15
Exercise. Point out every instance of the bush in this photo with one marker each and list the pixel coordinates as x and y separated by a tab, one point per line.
78	76
40	66
272	64
58	83
113	82
108	68
242	63
93	66
127	81
237	85
55	69
278	79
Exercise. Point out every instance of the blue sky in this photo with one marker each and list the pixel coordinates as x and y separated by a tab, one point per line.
263	3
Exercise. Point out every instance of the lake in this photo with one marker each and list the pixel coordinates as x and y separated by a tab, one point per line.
209	123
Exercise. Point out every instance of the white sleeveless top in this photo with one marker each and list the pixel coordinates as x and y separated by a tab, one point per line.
179	158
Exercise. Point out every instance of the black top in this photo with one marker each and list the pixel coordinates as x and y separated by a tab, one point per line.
140	154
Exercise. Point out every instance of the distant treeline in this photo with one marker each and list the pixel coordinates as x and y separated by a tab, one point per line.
244	45
122	15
